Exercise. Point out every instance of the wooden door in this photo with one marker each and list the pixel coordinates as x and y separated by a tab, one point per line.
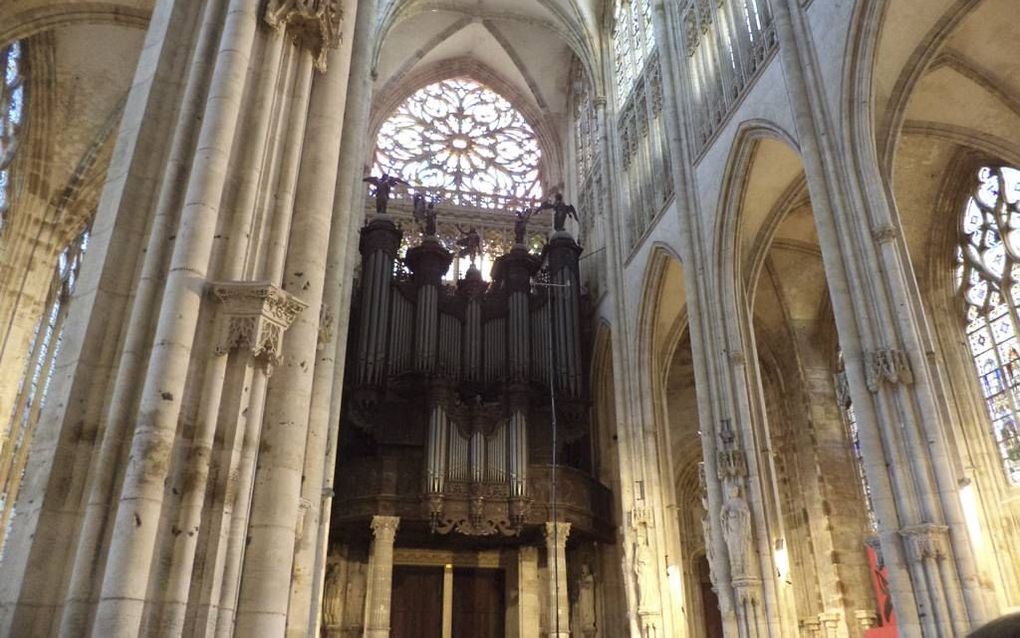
417	604
479	603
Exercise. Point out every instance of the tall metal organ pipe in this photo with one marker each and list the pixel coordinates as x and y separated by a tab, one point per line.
380	239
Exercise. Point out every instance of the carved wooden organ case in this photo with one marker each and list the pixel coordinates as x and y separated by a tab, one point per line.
446	416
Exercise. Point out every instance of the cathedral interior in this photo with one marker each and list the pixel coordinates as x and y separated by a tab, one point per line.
509	318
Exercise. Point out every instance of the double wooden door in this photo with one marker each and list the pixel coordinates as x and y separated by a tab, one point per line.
477	605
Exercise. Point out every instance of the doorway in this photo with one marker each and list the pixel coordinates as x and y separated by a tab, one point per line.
417	604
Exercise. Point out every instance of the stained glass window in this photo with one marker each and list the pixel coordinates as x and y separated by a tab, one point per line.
853	433
12	107
37	377
988	279
463	142
633	43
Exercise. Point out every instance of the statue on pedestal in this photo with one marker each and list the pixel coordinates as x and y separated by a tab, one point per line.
521	223
383	186
561	210
470	242
735	519
586	601
425	214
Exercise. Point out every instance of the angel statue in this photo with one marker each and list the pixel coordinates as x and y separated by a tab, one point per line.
425	214
383	186
561	211
470	243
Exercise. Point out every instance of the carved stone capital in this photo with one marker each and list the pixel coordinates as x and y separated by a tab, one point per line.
926	541
556	534
886	366
731	464
254	317
312	24
384	528
884	234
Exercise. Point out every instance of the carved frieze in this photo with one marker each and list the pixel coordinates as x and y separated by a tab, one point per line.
312	24
254	316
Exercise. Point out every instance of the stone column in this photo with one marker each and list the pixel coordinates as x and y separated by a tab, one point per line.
380	570
556	562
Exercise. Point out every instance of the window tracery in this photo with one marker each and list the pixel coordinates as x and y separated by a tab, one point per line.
12	105
988	280
37	377
464	142
633	43
727	43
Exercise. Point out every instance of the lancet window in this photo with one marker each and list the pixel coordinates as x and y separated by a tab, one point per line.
37	378
464	142
853	434
588	154
988	279
727	43
643	142
12	105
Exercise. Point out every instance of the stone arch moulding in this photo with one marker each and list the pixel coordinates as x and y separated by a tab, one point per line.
391	96
659	259
29	22
729	222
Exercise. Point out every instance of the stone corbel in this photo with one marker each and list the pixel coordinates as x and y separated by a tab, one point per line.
887	365
312	24
926	541
254	315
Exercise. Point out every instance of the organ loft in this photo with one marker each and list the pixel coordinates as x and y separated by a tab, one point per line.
466	427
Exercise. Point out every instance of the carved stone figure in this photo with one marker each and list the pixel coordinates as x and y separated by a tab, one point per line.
561	210
586	601
735	519
332	597
644	573
470	242
383	186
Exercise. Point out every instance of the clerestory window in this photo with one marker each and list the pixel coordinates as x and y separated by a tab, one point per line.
12	110
988	280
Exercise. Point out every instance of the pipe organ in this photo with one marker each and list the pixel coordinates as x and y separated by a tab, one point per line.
447	418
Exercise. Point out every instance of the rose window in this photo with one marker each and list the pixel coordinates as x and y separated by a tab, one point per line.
463	142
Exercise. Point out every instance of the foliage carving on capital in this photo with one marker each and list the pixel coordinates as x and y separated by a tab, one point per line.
926	541
312	24
254	317
887	365
384	528
556	533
